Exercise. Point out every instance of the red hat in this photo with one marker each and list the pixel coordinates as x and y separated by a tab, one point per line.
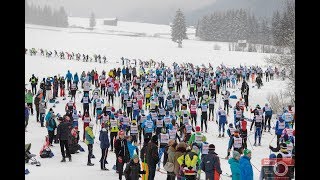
121	133
198	129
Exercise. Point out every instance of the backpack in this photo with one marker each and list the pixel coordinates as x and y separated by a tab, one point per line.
208	165
46	153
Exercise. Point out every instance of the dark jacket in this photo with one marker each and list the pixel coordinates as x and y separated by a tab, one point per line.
132	171
152	156
143	152
104	139
64	130
121	149
210	163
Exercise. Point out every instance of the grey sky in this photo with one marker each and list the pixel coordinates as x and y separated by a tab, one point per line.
157	11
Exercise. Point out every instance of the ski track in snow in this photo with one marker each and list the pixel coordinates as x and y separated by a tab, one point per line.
116	47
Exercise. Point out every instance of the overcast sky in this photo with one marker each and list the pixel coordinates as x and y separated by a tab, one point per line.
154	11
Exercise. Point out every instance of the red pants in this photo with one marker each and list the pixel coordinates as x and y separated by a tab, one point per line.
62	92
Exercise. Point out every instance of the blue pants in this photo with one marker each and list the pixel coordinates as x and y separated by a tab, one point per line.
75	123
161	151
221	125
135	114
257	133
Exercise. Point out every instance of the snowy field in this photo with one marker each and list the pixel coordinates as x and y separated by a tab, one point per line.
144	48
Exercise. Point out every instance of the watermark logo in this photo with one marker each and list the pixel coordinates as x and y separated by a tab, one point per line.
277	167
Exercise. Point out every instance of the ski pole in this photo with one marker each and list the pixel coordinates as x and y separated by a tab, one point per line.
250	144
255	167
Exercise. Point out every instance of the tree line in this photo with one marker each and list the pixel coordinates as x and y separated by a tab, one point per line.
45	15
239	24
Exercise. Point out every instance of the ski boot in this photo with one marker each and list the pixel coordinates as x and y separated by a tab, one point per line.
259	144
219	136
255	144
63	160
223	135
70	160
89	164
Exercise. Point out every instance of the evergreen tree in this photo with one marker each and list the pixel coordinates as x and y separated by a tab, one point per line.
92	22
179	28
276	28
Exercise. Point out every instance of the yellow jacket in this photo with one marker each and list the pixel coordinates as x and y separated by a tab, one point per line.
189	162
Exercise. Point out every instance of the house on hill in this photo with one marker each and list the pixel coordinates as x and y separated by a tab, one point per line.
110	21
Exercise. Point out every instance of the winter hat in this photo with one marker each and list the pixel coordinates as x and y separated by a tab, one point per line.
246	152
198	129
135	156
212	147
235	154
146	140
154	139
91	124
230	125
272	156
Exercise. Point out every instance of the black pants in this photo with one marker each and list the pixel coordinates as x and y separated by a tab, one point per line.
90	147
129	112
34	88
267	120
214	94
152	172
176	105
103	91
161	102
246	100
192	91
190	177
68	83
147	101
85	107
104	155
110	96
194	119
204	118
64	144
51	136
37	112
30	105
112	136
226	105
218	89
278	139
211	111
119	166
171	176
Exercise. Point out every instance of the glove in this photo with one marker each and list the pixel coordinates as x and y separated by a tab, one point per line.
217	122
142	172
250	129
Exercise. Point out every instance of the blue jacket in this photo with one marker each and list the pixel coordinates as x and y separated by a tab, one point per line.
47	118
131	148
76	78
222	118
104	139
146	129
235	168
246	171
124	71
69	76
278	130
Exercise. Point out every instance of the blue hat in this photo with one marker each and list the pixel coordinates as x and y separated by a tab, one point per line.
272	156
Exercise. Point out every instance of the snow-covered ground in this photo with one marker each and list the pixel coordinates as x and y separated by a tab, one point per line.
143	48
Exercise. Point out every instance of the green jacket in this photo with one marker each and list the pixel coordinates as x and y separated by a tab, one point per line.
28	98
193	138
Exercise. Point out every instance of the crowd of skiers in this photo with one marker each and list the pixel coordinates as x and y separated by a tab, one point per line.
155	114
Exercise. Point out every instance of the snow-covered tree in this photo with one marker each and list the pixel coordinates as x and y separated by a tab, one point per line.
179	28
92	20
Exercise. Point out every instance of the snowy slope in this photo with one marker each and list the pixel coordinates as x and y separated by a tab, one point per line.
115	47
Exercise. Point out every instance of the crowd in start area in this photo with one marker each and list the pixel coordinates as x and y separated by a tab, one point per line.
151	111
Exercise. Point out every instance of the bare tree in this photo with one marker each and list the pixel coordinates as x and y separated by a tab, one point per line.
278	101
